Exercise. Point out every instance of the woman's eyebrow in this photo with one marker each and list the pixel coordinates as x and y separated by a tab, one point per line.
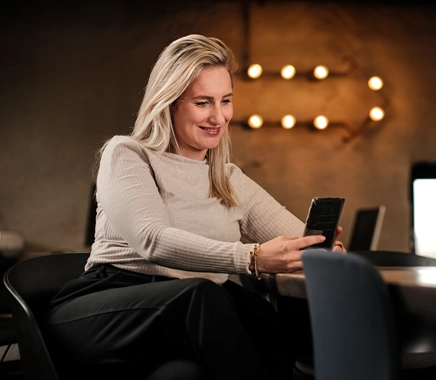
211	97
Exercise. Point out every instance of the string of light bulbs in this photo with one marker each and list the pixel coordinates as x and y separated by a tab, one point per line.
255	71
320	72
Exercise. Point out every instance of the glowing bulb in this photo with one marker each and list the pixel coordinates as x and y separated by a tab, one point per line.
375	83
376	113
255	121
254	71
288	121
321	122
320	72
288	72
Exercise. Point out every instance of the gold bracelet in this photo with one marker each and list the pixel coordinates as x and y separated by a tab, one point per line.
255	256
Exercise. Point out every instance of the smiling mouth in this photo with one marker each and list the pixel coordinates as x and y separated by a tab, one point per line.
211	131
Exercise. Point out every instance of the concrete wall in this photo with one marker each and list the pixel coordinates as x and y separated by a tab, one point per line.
72	75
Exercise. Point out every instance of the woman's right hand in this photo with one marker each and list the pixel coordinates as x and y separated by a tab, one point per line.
283	254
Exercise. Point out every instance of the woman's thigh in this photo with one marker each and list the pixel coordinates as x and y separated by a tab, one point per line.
144	325
123	322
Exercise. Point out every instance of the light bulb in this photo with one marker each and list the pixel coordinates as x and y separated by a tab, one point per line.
288	72
320	72
321	122
255	121
376	113
375	83
288	121
255	71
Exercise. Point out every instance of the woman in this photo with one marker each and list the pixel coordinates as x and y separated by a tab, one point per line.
171	212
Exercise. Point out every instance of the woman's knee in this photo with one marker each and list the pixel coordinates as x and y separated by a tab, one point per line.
207	291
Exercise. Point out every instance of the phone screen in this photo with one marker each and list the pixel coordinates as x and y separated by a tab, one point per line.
323	219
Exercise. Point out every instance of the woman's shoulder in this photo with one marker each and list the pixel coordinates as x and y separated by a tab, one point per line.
234	171
239	180
236	175
120	148
122	140
119	144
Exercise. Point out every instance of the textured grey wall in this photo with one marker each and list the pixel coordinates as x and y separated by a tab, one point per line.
73	75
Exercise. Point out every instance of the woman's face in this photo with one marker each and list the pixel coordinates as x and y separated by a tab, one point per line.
202	113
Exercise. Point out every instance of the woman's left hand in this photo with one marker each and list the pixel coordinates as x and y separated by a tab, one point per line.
338	246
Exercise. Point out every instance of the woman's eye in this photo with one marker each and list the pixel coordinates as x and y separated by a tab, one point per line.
202	104
227	101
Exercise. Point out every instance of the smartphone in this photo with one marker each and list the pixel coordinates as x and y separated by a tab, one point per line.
323	219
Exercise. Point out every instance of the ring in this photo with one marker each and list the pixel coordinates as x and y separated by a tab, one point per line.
339	244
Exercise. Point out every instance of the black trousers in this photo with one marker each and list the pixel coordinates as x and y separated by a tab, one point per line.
112	322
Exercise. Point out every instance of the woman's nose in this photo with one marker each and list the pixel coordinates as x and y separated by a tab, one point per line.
217	115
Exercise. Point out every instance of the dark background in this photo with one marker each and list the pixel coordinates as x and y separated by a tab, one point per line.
72	75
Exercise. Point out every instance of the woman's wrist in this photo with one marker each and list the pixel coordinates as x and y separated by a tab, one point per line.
254	261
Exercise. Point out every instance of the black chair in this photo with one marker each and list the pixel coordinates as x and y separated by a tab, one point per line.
10	253
31	284
351	318
10	365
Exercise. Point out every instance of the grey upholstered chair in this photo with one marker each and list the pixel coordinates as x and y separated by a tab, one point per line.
351	318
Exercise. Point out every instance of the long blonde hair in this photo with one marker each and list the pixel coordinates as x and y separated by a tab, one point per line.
177	67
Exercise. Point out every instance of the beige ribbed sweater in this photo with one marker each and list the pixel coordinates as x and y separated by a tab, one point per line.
154	216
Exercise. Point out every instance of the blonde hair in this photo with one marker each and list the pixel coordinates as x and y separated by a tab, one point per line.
177	67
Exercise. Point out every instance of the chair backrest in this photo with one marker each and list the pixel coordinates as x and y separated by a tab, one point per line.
367	228
351	317
31	284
